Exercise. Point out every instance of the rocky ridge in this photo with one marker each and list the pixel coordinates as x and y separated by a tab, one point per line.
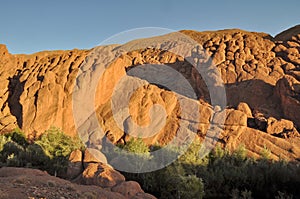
260	73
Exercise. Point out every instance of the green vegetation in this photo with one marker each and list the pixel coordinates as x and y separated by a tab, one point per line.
49	152
136	146
57	147
222	174
265	153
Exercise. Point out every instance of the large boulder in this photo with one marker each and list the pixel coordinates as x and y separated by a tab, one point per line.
93	156
236	118
75	167
128	189
87	168
281	128
102	175
244	107
230	117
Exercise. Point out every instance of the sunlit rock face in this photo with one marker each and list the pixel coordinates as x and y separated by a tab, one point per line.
260	75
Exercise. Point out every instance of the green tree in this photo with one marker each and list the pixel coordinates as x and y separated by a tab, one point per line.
137	146
57	146
19	137
176	184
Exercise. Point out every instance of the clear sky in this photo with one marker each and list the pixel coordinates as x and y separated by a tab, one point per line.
29	26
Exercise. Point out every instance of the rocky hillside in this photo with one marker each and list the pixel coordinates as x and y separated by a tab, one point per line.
261	77
32	183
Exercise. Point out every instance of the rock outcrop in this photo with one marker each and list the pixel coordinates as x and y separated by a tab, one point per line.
32	183
288	89
36	90
260	76
85	169
101	175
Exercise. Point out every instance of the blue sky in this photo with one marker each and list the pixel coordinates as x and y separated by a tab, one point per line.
29	26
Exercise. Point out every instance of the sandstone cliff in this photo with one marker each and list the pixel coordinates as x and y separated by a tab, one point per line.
260	74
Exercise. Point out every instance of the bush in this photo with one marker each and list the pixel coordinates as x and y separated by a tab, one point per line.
240	153
222	174
3	141
19	137
36	157
10	154
177	184
191	156
265	153
56	146
137	146
55	143
50	152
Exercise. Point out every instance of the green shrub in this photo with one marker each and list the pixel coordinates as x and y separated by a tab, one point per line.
56	146
222	174
191	156
134	154
50	152
56	143
225	174
175	183
137	146
12	160
19	137
178	186
265	153
240	153
3	141
11	147
36	157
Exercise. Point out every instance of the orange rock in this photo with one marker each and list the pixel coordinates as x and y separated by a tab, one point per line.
75	167
101	175
287	89
256	69
245	109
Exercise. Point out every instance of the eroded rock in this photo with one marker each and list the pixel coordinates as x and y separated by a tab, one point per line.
102	175
262	72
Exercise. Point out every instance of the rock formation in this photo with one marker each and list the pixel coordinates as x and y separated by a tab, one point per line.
33	183
85	169
260	75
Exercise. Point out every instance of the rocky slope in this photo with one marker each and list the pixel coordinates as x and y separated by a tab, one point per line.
17	183
260	74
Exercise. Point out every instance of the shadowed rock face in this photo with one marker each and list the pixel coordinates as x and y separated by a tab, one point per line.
261	75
